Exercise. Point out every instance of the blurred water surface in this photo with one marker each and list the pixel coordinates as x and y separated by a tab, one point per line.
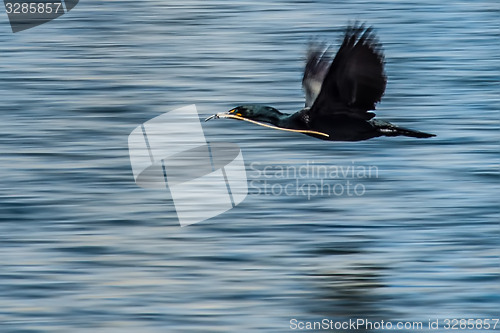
82	248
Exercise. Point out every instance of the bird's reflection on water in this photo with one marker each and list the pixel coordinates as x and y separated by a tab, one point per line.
345	286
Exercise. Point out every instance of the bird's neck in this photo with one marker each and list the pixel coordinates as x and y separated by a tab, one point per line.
272	116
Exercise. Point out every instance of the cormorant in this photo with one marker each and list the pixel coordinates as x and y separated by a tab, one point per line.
339	94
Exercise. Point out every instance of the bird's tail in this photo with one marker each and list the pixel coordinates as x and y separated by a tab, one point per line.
388	129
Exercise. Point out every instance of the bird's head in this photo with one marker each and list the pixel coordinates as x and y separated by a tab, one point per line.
246	111
250	111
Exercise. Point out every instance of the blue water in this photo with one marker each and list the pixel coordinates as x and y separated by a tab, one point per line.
84	249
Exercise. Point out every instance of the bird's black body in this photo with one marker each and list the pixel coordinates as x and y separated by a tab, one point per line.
339	94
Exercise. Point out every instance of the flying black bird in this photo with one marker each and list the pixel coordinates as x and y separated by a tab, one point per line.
339	94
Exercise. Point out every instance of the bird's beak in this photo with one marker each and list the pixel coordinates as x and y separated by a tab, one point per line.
228	114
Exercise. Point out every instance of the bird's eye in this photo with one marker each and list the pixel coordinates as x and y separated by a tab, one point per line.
232	111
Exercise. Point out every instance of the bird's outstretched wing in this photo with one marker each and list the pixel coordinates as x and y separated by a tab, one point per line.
355	81
317	63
